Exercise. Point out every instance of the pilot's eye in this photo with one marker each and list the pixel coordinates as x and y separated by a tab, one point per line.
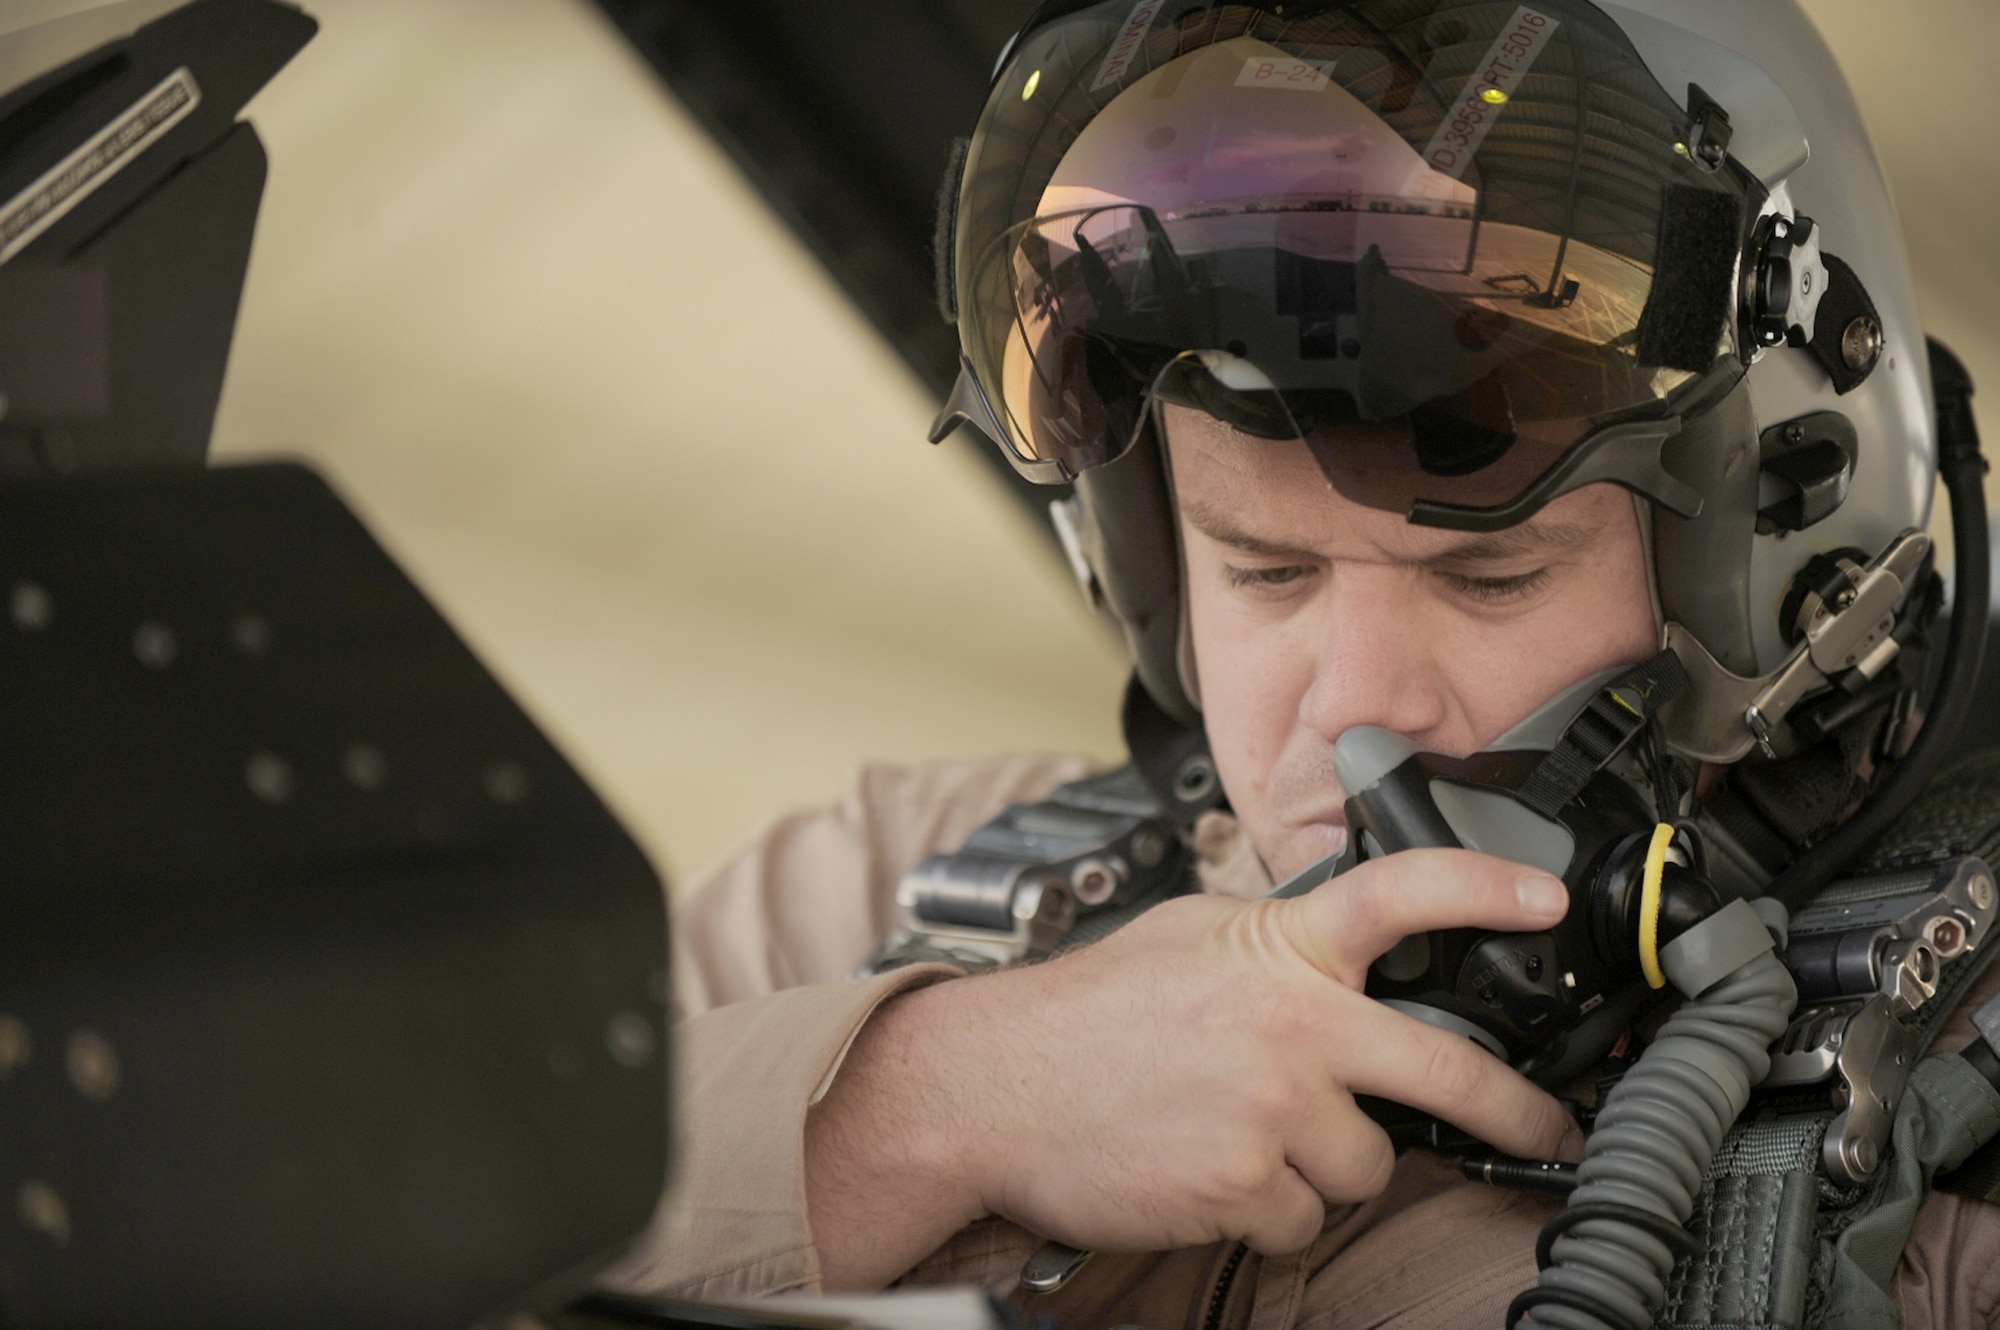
1496	590
1267	578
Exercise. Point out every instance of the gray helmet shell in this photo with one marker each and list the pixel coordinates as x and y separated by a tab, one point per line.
1796	127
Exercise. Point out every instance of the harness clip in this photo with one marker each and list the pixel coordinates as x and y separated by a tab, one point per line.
1867	967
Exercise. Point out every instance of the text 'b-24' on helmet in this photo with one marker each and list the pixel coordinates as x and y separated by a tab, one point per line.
1474	255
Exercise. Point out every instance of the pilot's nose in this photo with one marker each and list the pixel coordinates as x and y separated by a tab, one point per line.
1377	664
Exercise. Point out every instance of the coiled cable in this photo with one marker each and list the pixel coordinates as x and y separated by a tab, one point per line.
1656	1135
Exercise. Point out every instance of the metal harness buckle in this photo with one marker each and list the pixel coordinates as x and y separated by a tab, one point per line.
1037	876
1865	968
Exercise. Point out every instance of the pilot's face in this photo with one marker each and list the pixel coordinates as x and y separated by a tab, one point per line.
1309	613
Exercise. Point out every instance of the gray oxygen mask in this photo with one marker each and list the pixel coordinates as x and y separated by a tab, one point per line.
1578	789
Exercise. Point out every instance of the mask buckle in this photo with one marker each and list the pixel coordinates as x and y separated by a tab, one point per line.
1724	715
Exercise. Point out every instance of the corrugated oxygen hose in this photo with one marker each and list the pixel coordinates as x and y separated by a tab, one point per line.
1606	1257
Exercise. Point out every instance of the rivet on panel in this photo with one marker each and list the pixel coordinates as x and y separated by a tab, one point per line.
251	633
365	766
629	1036
269	777
93	1066
155	645
42	1211
16	1045
31	607
506	783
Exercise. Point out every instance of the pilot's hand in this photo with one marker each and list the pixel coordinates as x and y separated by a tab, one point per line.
1189	1079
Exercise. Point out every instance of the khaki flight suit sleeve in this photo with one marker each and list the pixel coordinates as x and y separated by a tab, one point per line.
765	1011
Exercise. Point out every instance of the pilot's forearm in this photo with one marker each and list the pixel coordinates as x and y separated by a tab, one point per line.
887	1149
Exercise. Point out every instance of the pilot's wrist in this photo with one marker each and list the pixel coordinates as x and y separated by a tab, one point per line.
888	1147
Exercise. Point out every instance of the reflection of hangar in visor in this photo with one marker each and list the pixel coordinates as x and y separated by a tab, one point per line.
1569	272
852	162
1573	151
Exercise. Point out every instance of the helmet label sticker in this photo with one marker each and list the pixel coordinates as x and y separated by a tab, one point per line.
1299	75
1126	45
1486	92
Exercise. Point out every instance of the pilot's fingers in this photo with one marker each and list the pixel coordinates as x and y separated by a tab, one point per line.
1340	1150
1283	1216
1341	926
1401	1058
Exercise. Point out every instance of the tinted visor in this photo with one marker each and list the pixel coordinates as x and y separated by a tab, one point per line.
1429	239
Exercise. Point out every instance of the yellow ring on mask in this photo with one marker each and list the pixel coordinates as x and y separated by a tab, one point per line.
1649	905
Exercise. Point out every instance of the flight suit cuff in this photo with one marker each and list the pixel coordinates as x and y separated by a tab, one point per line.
733	1221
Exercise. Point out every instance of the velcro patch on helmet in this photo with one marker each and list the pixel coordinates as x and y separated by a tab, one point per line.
1694	259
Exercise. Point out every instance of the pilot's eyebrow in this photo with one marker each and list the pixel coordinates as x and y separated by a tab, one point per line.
1529	538
1533	537
1220	527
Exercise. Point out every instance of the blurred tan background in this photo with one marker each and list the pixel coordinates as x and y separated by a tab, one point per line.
639	449
625	431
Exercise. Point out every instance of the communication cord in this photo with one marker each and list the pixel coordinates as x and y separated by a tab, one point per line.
1607	1255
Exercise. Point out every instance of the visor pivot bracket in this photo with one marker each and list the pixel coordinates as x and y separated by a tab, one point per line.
1791	278
1861	343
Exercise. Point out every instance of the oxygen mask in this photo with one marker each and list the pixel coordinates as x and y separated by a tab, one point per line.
1580	789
